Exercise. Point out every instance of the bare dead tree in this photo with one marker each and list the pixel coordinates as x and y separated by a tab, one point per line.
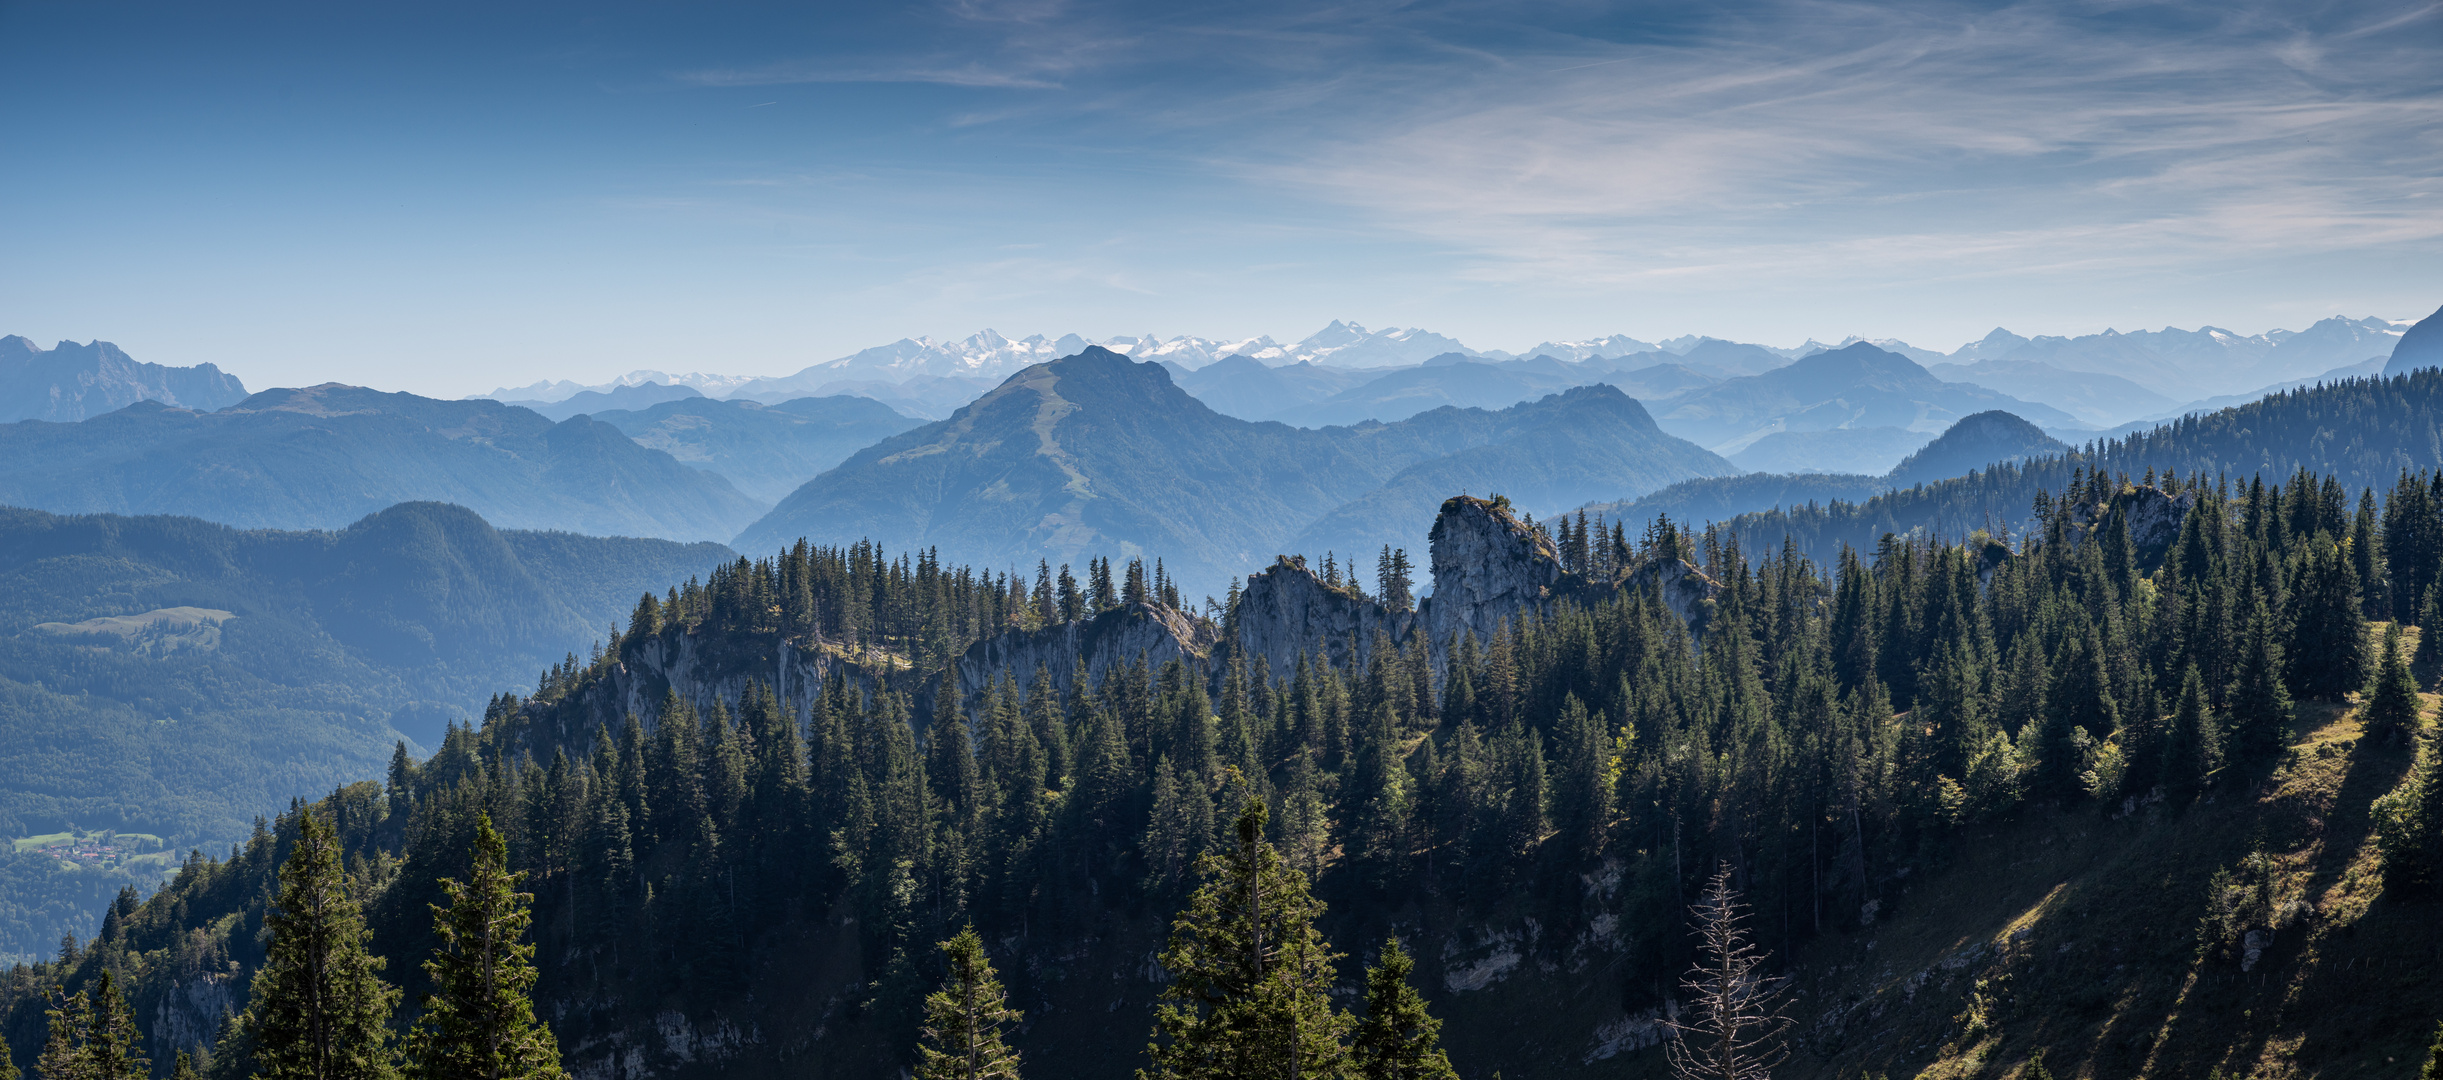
1732	1027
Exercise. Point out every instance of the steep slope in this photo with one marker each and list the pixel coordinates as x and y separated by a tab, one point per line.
766	451
1547	456
1858	386
173	677
325	456
69	382
2421	347
1976	442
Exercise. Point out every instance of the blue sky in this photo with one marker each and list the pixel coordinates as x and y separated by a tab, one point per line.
448	198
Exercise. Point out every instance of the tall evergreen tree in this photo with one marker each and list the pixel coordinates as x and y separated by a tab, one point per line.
1251	985
1398	1039
2191	743
962	1034
2261	707
2391	711
93	1036
319	1008
63	1053
479	1022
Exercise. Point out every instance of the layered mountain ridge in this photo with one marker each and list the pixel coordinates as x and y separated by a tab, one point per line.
1096	453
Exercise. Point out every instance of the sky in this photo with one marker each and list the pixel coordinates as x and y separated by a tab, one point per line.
450	198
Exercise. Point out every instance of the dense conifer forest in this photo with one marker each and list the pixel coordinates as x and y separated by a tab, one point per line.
2360	432
764	878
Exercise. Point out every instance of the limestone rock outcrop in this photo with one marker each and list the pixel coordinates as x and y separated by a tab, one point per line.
1159	634
1287	610
1488	568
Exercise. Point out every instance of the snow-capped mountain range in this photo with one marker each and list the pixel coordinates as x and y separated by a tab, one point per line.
2179	365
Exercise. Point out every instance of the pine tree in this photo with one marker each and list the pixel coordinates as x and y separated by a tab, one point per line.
319	1008
1251	985
2391	711
1398	1039
2432	1071
479	1023
962	1035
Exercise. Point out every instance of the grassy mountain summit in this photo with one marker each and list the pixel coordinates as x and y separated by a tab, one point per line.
325	456
1095	453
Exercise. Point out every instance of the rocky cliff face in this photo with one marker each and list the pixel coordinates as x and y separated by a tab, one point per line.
2154	520
1488	567
70	382
1119	636
1287	610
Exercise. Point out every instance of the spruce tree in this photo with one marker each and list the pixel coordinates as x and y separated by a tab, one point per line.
2261	708
962	1035
93	1036
2391	711
1251	985
479	1023
63	1053
1398	1039
2191	745
319	1008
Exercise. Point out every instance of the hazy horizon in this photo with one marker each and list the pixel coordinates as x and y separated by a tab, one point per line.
449	200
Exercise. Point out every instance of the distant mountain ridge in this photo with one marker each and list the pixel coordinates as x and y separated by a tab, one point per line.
1859	386
342	642
325	456
1978	442
70	382
1099	454
766	451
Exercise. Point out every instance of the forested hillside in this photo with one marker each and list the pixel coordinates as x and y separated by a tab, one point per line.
172	677
747	822
2362	433
324	456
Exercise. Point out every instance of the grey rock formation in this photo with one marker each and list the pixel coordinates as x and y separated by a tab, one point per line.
1119	636
2154	520
1488	567
1686	590
1287	610
70	382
